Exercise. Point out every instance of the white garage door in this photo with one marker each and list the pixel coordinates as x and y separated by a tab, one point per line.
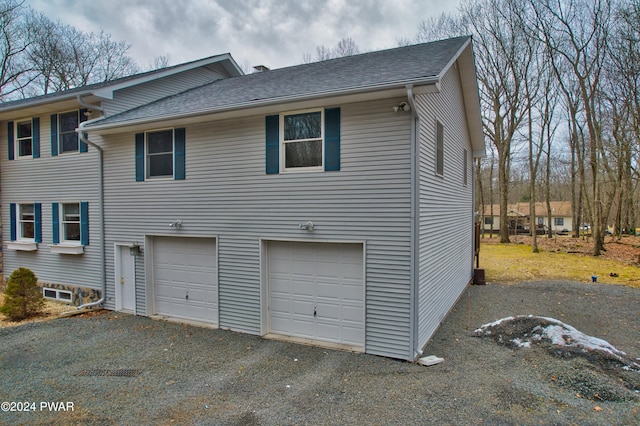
185	278
316	291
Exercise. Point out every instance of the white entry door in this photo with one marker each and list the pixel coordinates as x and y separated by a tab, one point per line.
185	278
316	292
125	279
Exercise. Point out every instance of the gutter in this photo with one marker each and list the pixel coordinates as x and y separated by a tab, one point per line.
84	138
414	228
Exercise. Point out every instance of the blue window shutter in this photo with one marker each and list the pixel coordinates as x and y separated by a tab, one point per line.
84	223
55	221
35	137
273	144
179	156
37	213
332	139
10	140
14	222
83	146
54	135
139	157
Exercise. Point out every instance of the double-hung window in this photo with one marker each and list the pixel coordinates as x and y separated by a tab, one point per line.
71	222
302	141
25	226
70	227
69	122
160	154
558	221
24	138
64	138
24	143
26	220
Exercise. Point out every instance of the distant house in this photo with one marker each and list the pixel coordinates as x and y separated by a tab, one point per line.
520	218
302	203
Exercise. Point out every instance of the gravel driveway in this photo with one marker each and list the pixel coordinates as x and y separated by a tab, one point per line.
120	369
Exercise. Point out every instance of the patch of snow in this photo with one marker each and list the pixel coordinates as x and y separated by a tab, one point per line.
560	335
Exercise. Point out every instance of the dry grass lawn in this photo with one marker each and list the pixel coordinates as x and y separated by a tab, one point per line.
51	310
562	259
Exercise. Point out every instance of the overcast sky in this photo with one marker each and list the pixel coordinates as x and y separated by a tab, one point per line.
256	32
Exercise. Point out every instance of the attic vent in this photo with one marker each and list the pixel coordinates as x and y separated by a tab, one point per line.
261	68
119	372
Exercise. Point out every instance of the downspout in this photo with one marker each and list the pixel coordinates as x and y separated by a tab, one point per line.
84	138
414	228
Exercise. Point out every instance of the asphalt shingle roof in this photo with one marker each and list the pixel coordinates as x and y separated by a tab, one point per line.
369	70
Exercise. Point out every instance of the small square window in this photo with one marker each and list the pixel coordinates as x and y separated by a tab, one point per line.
24	146
68	123
558	221
160	153
303	140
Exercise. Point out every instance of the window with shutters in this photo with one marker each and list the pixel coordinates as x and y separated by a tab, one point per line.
70	227
24	142
159	153
68	122
302	141
25	226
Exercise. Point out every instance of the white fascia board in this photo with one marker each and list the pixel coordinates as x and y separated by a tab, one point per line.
107	92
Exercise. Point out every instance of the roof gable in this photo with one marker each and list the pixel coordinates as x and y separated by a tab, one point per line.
419	64
105	90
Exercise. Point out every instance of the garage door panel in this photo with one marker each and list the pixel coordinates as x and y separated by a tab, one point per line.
325	277
184	266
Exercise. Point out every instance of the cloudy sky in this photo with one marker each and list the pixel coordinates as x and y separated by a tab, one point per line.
256	32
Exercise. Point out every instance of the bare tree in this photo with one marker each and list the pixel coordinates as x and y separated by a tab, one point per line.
346	47
15	39
40	56
576	33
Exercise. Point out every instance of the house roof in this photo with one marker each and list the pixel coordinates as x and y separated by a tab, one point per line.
417	65
558	209
106	89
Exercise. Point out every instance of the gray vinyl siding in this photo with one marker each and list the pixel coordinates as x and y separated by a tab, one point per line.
445	207
142	94
65	178
226	194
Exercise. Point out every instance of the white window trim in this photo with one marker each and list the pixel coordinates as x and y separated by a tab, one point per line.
17	140
60	152
57	294
67	248
22	245
282	143
147	168
64	241
19	221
